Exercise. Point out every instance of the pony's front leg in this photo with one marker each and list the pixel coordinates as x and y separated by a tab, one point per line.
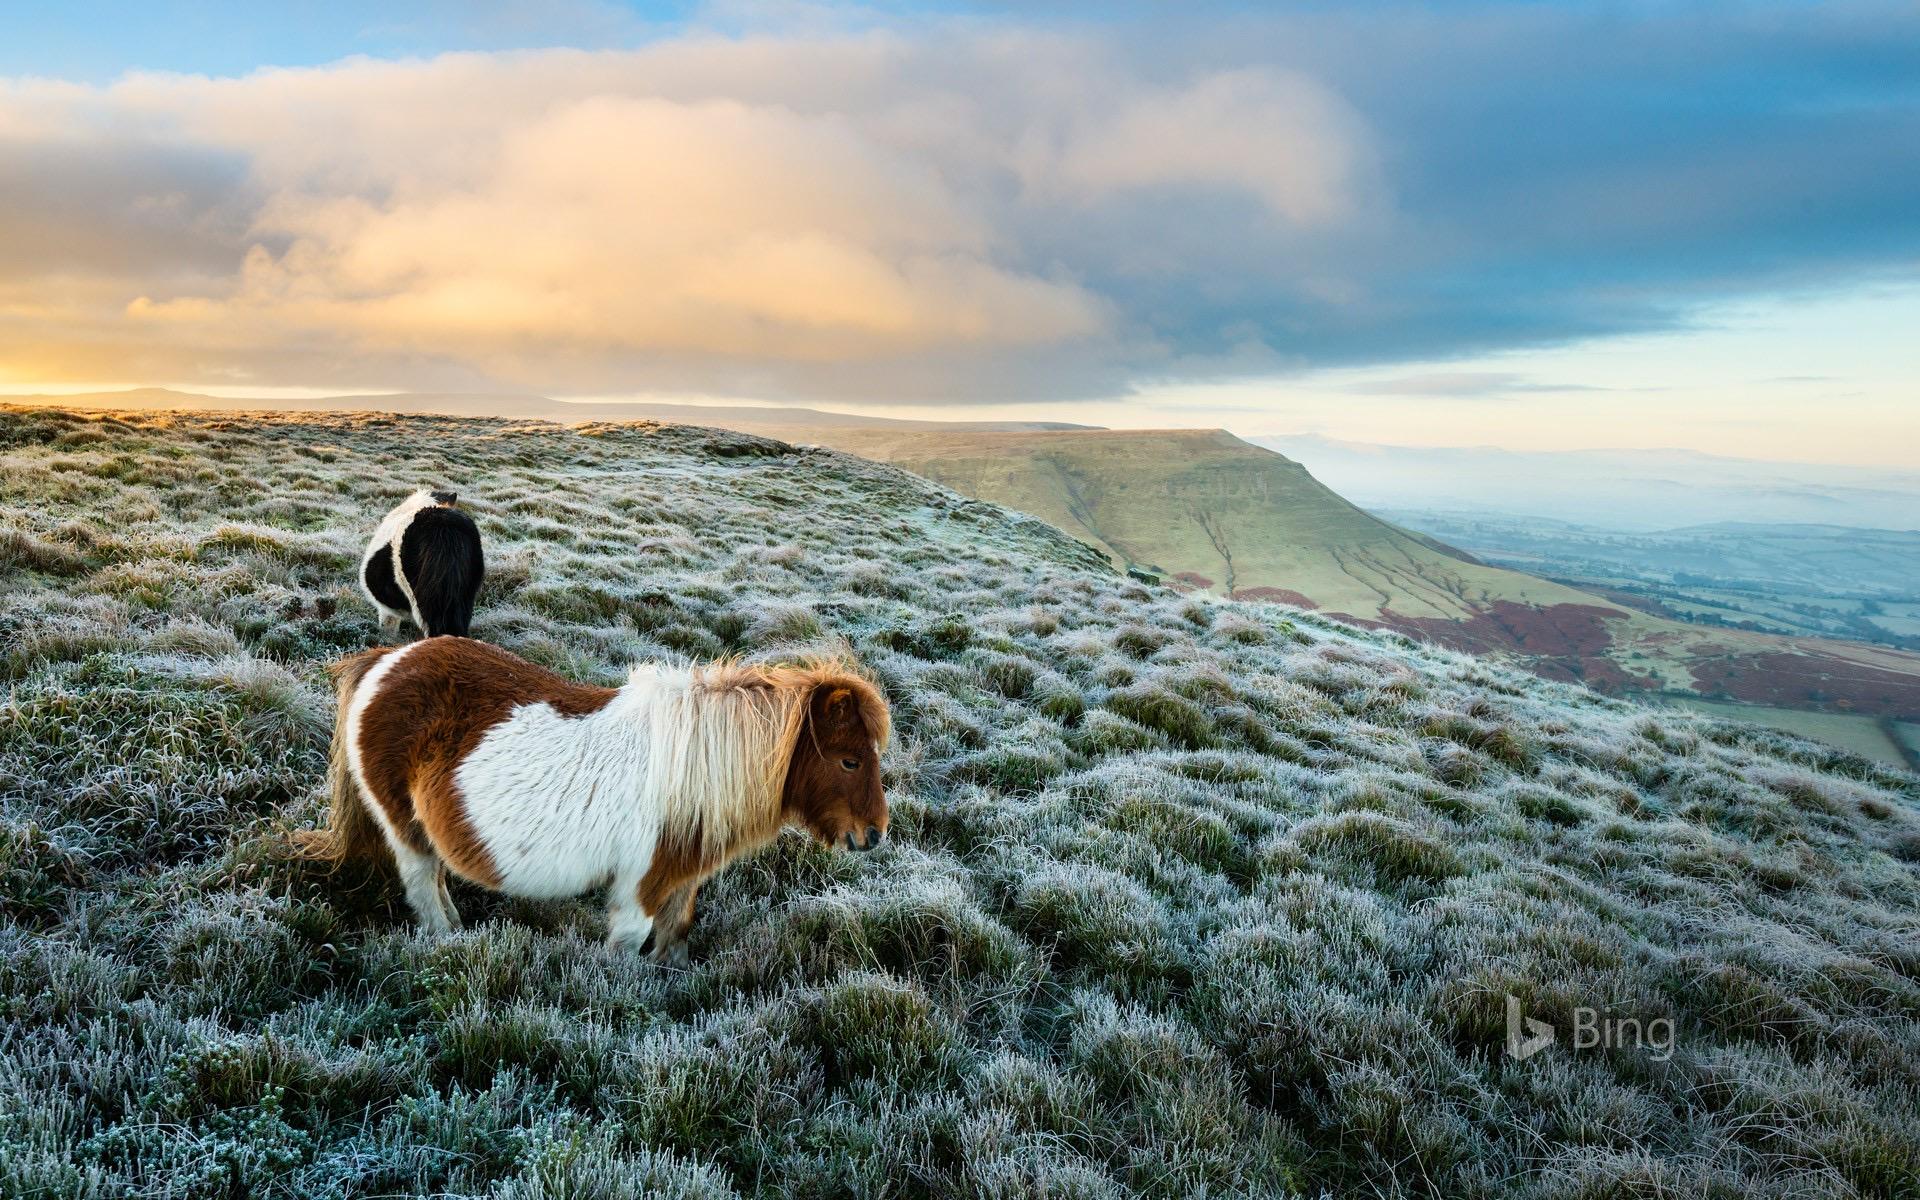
671	924
628	925
446	900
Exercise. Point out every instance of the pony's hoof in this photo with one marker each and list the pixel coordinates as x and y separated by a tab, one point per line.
671	954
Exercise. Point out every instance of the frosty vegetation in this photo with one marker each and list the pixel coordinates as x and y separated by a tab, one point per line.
1184	897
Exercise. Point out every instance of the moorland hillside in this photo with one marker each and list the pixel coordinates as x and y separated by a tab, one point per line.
1185	896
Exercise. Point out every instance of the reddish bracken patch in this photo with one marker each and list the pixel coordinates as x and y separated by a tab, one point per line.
1810	678
1277	595
1606	675
1190	580
1568	642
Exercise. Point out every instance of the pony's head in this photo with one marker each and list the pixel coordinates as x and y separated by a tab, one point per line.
833	782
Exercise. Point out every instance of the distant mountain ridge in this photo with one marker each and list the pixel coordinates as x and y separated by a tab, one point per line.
1207	510
521	407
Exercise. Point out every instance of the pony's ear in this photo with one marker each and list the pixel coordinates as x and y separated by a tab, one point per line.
447	498
835	706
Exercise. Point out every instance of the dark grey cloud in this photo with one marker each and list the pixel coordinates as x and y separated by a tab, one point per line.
1557	172
105	206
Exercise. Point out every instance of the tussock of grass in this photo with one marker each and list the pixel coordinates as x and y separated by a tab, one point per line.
1393	851
1160	708
1184	897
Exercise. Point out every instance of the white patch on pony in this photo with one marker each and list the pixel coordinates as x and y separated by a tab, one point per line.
697	754
556	800
387	536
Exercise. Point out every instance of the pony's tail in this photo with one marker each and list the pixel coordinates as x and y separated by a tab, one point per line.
441	557
351	832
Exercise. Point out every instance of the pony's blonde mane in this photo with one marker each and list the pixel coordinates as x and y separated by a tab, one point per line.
721	737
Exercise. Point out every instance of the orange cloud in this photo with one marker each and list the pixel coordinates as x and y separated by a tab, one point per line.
802	212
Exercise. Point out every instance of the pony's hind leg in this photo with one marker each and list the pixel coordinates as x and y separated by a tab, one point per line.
425	878
446	900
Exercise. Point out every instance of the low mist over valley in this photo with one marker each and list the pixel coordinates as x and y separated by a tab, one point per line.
1641	491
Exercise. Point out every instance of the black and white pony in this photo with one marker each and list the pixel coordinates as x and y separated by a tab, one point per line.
424	562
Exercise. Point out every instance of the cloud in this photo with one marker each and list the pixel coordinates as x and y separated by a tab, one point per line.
914	210
835	215
609	223
1463	385
1223	130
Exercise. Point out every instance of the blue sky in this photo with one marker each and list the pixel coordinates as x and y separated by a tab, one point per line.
96	42
1235	213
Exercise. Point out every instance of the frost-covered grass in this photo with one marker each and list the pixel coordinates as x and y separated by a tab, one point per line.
1185	897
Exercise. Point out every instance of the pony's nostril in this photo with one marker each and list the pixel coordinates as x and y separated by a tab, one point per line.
851	844
873	836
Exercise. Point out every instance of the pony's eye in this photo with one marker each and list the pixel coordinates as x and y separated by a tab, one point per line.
851	764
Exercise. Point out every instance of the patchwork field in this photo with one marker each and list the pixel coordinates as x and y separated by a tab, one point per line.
1822	580
1870	737
1186	896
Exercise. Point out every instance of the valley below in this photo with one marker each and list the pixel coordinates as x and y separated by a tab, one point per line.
1815	580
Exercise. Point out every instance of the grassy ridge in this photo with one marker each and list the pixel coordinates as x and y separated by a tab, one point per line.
1186	897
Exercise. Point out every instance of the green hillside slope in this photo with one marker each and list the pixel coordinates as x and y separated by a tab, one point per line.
1220	513
1212	512
1185	896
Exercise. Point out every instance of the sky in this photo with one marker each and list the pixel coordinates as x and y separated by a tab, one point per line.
1539	226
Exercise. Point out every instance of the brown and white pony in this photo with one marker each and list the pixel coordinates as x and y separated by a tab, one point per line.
455	755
